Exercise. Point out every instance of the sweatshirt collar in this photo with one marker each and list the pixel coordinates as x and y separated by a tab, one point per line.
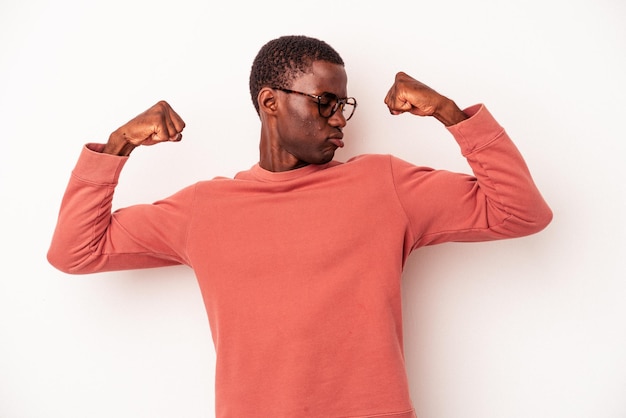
265	175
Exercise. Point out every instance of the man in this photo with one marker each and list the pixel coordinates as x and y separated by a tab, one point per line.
300	258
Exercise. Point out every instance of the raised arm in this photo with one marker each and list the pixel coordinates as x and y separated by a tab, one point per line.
88	237
499	201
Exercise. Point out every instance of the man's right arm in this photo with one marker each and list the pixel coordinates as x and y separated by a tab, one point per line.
88	237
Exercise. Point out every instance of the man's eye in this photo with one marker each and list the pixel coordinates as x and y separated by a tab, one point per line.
328	99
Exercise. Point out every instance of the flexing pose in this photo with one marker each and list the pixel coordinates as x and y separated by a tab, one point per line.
299	259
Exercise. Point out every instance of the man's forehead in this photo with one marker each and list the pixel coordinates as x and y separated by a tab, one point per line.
323	76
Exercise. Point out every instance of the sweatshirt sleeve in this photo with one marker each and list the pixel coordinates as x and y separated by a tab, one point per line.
499	201
89	238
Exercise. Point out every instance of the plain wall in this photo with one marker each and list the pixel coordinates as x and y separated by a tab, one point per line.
532	327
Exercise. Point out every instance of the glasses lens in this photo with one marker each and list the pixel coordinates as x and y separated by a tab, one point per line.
328	104
348	108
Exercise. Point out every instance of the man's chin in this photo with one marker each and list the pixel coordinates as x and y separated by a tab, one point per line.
326	158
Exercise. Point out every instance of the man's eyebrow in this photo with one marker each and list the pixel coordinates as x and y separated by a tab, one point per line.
327	93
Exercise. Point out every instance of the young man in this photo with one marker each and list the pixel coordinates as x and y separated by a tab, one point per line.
300	258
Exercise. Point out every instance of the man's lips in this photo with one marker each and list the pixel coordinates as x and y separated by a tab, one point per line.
337	140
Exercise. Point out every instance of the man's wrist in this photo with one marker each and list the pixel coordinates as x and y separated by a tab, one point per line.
118	145
449	113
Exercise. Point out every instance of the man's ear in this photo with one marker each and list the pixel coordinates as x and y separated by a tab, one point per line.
268	101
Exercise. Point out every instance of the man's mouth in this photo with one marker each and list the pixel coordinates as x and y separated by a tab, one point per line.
337	140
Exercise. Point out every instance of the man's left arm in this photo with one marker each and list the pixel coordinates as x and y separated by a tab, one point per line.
501	200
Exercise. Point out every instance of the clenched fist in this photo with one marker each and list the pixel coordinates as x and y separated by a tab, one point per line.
160	123
409	95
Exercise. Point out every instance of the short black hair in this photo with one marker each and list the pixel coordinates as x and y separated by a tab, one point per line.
281	60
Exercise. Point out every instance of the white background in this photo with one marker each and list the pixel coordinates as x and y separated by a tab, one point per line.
533	327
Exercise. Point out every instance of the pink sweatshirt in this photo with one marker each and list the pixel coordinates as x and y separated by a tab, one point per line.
300	271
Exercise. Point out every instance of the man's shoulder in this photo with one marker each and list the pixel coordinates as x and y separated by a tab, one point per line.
377	162
370	159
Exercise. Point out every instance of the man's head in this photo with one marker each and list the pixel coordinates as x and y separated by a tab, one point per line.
299	89
282	60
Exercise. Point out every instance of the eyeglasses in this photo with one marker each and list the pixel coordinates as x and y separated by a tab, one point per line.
328	103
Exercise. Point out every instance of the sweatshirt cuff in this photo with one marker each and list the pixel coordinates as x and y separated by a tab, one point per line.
94	166
476	132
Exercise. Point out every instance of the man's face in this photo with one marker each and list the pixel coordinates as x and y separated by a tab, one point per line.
303	133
